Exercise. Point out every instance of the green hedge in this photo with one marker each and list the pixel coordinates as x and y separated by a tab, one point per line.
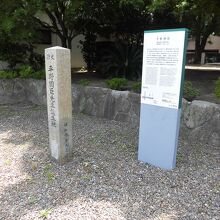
117	83
217	88
24	72
189	91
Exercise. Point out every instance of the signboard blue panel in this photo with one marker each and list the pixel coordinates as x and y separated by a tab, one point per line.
159	130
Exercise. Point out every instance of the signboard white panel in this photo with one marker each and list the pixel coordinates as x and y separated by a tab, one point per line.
162	68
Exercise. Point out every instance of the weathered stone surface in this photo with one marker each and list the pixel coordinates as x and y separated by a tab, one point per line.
95	101
134	99
120	105
12	91
185	104
107	103
89	100
200	122
121	116
214	139
117	106
78	98
121	101
36	91
198	113
59	102
109	108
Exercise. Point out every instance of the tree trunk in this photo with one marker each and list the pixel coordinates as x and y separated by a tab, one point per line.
63	41
69	40
198	55
198	51
200	43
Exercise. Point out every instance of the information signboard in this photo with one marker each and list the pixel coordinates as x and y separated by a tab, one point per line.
161	96
162	68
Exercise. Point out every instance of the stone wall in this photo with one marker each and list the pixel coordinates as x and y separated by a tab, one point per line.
14	91
200	120
106	103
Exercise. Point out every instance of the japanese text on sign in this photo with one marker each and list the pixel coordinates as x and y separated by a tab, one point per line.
66	137
51	96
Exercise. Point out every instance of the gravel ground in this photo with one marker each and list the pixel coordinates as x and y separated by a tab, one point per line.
104	180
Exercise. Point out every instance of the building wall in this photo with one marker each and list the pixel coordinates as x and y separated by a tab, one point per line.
214	45
76	55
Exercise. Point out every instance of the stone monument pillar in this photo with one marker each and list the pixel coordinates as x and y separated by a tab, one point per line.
59	104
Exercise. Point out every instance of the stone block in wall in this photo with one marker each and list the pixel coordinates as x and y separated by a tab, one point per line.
109	107
117	106
200	123
134	100
95	101
89	100
121	116
12	91
78	98
36	91
199	112
185	104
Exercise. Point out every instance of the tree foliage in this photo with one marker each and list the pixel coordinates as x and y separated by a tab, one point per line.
112	19
17	34
117	19
61	14
122	60
201	17
21	18
17	23
164	14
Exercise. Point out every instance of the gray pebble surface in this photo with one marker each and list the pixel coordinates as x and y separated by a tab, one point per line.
104	179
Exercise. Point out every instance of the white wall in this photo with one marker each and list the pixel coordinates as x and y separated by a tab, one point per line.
76	55
214	46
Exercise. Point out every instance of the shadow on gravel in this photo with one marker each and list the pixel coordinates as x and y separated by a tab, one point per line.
104	180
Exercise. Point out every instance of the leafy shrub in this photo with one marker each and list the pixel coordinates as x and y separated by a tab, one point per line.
20	53
217	88
116	83
7	74
39	74
136	87
13	53
26	71
190	92
84	82
121	60
36	61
